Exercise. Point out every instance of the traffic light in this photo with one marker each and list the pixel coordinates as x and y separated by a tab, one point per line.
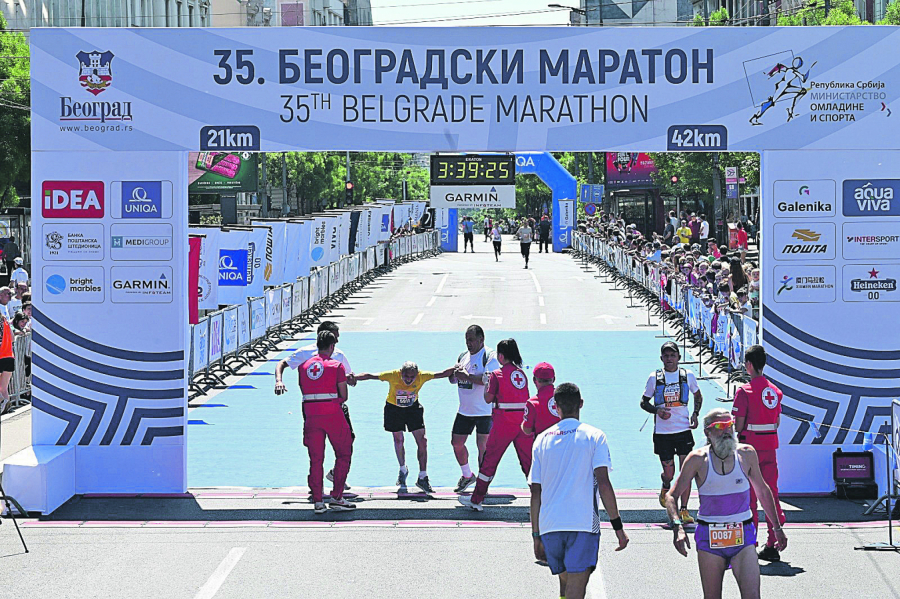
348	197
674	179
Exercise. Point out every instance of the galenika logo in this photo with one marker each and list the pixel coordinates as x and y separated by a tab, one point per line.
72	199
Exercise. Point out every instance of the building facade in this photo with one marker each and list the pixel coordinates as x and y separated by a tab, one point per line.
637	12
25	14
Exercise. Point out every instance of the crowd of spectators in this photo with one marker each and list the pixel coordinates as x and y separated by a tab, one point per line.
15	311
686	255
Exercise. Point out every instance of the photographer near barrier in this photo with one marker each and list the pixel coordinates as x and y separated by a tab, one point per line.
226	339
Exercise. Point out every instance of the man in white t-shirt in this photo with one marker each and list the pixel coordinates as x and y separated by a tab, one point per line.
666	397
473	365
704	227
296	359
569	478
19	275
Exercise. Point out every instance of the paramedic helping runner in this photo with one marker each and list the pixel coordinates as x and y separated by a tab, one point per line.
473	368
323	383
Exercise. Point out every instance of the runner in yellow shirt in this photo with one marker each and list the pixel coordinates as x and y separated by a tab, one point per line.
402	411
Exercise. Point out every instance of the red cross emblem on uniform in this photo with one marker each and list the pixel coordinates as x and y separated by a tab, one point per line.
315	370
518	379
769	398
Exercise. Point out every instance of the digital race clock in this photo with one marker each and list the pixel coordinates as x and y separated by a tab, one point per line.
473	169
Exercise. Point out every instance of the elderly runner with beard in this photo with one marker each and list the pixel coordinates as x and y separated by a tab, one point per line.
726	535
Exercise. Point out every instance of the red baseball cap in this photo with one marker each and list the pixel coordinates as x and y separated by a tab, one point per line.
544	371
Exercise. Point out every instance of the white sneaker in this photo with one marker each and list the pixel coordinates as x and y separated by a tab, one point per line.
466	500
320	508
330	478
341	505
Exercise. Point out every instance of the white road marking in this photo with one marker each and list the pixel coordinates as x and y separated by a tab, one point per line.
496	319
443	280
608	318
543	318
209	590
366	320
431	302
536	284
418	318
595	586
540	300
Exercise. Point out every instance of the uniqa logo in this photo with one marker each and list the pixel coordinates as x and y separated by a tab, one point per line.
524	161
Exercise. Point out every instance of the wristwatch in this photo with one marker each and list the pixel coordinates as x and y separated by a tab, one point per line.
535	535
676	522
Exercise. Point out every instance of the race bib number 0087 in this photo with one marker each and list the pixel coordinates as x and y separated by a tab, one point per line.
722	536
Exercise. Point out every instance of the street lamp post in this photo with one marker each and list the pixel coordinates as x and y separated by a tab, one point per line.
579	11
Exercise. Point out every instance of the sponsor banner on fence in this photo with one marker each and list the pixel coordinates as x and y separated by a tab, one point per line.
287	294
200	350
273	307
233	267
297	291
215	337
208	279
257	318
243	323
230	331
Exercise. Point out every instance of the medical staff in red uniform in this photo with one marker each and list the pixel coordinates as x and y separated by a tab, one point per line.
540	411
507	389
757	410
323	383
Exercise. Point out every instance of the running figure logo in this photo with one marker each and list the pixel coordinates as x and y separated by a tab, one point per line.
790	85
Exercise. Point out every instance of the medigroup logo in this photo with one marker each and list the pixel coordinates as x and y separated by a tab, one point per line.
871	197
72	199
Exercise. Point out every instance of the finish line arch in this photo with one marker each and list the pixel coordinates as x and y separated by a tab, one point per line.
114	109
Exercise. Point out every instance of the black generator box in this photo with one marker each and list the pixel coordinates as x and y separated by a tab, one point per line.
854	474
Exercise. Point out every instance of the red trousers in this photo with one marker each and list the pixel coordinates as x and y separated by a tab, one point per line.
768	467
335	427
506	428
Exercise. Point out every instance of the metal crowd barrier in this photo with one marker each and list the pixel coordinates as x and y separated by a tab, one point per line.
20	383
727	335
235	336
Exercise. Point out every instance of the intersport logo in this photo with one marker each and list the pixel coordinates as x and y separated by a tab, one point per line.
72	199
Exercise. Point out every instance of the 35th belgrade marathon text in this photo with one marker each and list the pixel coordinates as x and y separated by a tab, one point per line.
424	82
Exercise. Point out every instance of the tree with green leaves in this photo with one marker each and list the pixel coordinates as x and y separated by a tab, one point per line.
15	115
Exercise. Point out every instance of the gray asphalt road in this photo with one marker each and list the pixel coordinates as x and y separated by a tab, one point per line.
387	562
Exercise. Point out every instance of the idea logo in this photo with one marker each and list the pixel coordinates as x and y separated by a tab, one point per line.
72	199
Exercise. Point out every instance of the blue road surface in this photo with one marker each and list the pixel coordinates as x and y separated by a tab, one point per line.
249	437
